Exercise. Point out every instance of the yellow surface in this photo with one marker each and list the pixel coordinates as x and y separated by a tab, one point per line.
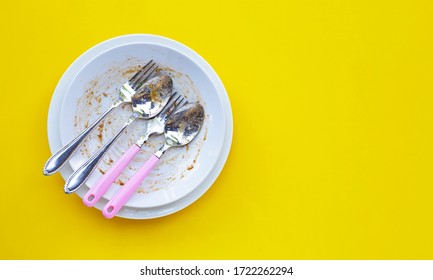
339	167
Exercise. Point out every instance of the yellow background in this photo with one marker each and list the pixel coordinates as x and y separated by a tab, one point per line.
332	154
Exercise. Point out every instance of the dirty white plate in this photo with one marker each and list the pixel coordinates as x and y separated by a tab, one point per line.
88	87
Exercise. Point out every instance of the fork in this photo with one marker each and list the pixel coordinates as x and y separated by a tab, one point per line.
128	89
155	126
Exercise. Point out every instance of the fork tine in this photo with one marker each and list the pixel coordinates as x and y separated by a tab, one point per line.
140	71
151	73
151	76
142	75
182	103
174	102
174	96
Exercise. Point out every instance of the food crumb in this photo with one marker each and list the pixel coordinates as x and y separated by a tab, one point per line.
100	128
190	167
205	135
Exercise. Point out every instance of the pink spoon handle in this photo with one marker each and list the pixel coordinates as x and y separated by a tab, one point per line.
98	190
119	199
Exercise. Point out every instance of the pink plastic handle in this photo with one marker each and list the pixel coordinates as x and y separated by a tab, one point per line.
119	199
98	190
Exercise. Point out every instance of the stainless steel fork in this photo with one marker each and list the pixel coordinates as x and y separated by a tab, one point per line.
154	126
58	160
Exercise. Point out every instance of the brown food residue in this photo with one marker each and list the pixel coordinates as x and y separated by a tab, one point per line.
100	128
154	96
205	133
131	71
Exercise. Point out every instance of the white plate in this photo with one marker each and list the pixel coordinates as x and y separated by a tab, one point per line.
95	87
173	194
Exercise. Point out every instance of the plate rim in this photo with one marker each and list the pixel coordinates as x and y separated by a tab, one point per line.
79	63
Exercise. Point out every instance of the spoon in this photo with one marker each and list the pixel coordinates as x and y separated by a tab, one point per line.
59	159
181	128
146	104
154	127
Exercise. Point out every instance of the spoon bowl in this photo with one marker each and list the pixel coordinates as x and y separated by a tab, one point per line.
152	97
184	125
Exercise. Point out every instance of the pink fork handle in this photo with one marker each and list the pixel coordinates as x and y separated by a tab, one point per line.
120	198
98	190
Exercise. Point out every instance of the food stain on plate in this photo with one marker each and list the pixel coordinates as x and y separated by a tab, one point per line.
98	95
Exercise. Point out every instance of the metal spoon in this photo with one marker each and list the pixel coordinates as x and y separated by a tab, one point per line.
181	128
146	104
59	159
154	126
